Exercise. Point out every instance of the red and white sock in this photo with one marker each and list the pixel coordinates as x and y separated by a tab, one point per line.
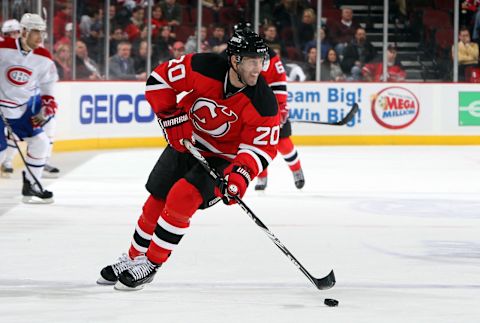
289	154
182	202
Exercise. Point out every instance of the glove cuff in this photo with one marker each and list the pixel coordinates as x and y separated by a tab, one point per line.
243	172
174	121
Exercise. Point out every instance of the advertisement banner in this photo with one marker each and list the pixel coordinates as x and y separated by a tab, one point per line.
98	110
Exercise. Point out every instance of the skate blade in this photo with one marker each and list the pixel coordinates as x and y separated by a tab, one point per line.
36	200
103	281
6	175
122	287
50	175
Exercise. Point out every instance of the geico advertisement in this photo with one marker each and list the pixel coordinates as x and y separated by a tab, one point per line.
104	109
383	108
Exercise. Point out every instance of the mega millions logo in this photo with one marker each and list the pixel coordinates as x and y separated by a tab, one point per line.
469	108
395	108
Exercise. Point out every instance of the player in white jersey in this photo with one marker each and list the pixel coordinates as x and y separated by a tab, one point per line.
11	28
27	68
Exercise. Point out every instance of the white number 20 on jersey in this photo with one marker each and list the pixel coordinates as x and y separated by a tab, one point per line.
267	136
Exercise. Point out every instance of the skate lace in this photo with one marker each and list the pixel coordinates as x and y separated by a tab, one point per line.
124	262
142	268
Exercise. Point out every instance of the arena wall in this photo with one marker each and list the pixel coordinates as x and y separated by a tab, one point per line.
96	115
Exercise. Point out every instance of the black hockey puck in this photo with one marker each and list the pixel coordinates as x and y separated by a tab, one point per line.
330	302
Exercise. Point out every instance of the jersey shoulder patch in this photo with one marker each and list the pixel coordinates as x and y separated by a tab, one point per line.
262	98
211	65
43	52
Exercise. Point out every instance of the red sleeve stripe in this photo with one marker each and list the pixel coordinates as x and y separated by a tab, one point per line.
261	158
277	83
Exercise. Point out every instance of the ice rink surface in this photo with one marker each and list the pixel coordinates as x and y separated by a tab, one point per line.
399	225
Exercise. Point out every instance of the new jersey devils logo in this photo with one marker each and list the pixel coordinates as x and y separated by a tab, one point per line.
211	118
18	75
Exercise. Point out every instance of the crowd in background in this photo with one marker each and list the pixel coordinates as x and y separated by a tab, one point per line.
288	26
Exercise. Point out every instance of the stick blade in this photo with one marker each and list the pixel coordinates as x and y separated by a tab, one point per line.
326	282
349	115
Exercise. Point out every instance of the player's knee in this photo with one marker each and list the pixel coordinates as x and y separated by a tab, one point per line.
182	201
38	146
152	209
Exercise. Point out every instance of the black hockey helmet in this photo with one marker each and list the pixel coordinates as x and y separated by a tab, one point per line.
242	26
246	43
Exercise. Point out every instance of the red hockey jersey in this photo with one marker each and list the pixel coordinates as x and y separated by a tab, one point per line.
276	77
243	127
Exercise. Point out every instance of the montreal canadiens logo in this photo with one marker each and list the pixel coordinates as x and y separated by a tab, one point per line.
395	108
211	118
18	75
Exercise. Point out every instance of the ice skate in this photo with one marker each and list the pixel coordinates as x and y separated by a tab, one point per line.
109	274
6	169
33	195
299	178
142	272
50	171
261	183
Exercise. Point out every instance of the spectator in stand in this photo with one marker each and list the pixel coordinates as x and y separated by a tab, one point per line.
158	20
373	72
325	44
191	44
62	17
178	49
311	66
330	68
469	9
165	43
122	66
116	38
293	70
271	37
215	6
172	12
86	68
286	14
136	25
63	61
218	41
358	53
91	27
91	24
467	53
67	37
140	59
343	31
307	27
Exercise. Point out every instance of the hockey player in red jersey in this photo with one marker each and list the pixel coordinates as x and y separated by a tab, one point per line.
231	115
276	77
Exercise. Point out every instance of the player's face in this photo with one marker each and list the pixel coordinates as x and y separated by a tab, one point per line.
34	38
249	69
13	34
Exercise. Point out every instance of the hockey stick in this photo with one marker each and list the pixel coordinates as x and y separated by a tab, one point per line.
342	122
11	135
321	283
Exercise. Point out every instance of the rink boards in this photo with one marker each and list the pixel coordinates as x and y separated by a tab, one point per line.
115	114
